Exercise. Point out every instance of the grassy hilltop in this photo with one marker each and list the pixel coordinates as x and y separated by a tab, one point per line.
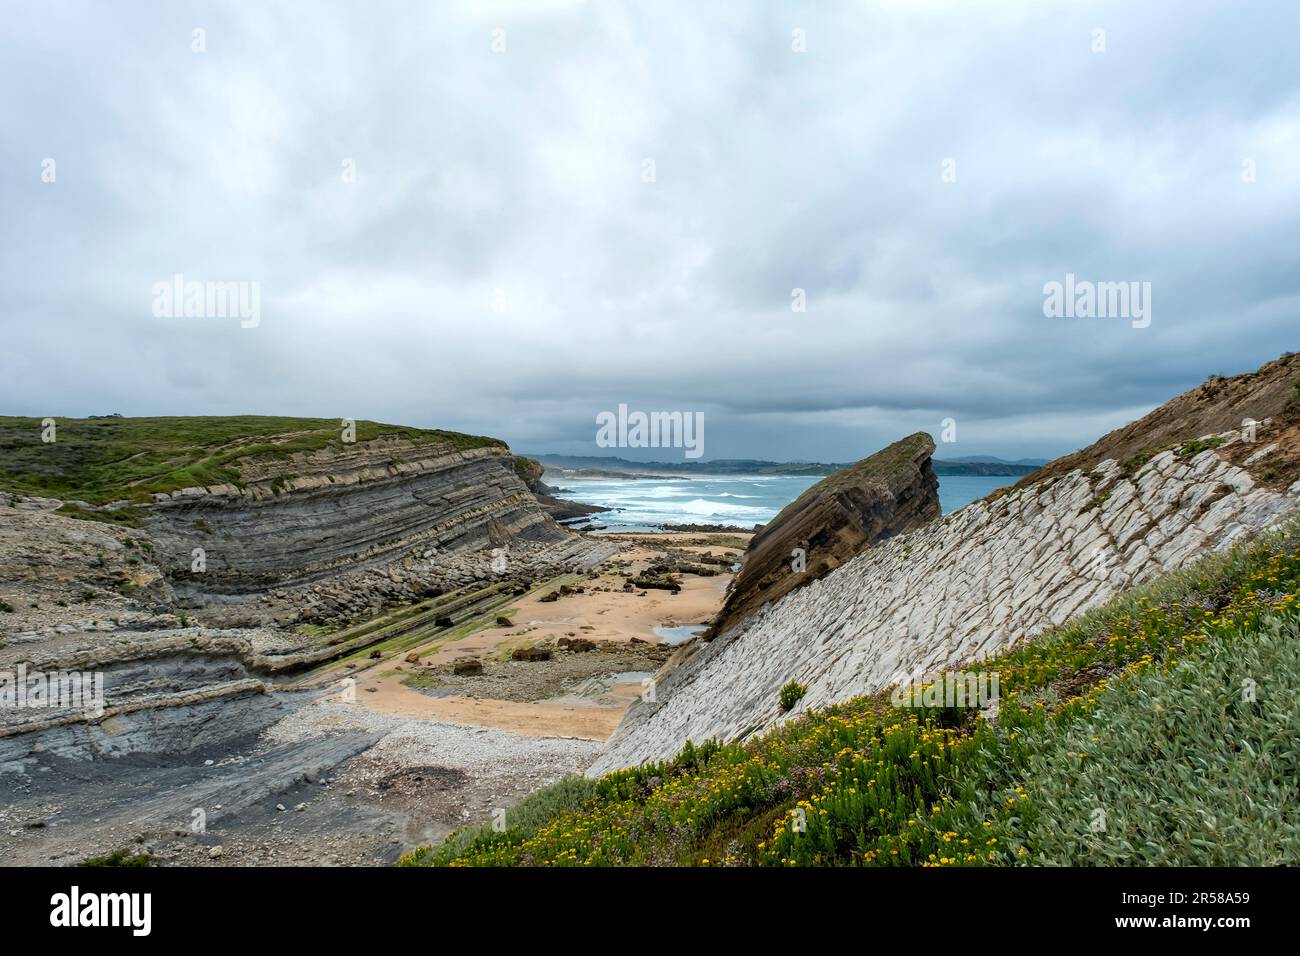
106	459
1159	729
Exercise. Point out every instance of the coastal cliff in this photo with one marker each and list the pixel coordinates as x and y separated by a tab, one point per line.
269	520
997	572
343	509
892	491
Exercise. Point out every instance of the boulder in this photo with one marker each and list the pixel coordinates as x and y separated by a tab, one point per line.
531	654
657	584
467	666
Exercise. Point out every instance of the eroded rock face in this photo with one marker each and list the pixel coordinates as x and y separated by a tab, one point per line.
530	472
312	537
61	575
1217	405
992	574
366	510
892	491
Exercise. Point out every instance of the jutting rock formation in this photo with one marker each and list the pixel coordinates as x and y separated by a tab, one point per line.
1188	479
530	472
892	491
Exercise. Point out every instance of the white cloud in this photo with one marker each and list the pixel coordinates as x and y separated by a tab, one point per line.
486	179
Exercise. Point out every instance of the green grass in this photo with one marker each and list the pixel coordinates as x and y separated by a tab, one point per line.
1134	709
120	858
102	460
1196	445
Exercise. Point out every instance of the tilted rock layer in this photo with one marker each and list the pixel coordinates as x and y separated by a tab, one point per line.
295	533
988	576
892	491
326	512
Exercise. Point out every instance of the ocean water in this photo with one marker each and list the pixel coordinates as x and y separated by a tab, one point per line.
643	504
957	491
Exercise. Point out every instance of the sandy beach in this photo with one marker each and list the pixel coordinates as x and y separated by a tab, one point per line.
577	696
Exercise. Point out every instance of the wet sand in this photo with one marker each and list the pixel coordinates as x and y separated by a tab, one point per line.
603	612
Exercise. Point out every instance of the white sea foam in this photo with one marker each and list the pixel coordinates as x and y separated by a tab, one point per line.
740	501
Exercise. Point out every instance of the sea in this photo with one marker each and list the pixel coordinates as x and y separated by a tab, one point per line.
645	504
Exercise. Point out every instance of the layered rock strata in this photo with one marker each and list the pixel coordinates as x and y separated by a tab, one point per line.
892	491
326	512
984	578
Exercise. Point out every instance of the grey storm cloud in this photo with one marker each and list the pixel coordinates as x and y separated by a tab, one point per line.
500	265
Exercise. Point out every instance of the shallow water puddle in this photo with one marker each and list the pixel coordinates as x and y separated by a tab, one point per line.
680	634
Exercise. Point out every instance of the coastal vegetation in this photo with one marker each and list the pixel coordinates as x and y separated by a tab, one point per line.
99	460
121	857
1157	729
791	694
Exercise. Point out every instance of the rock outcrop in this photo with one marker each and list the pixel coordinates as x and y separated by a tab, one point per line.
994	573
323	512
294	526
530	472
892	491
1216	405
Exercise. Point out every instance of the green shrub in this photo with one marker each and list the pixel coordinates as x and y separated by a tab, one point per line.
1177	767
1095	502
1134	462
121	857
791	694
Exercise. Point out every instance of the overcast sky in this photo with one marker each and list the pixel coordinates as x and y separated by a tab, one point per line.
501	266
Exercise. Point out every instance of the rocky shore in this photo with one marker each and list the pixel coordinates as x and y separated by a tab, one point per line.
319	708
999	571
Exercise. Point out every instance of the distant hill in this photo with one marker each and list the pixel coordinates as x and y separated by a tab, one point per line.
596	465
994	460
953	466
